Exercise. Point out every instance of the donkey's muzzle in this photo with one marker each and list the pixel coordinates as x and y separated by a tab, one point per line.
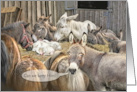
29	48
72	71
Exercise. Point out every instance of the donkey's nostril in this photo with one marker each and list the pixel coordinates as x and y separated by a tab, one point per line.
72	71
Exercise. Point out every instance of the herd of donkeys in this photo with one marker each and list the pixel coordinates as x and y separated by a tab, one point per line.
87	69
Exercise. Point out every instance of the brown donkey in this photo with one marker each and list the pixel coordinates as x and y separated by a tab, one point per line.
43	29
116	44
107	71
12	67
21	33
71	82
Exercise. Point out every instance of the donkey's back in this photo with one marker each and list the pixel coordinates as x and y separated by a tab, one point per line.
112	71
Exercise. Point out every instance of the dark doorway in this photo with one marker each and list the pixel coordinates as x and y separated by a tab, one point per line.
93	4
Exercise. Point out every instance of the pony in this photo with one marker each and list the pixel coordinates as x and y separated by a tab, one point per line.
13	65
66	24
107	71
21	33
59	62
43	29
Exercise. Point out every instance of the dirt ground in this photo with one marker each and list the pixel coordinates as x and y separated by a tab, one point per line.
65	46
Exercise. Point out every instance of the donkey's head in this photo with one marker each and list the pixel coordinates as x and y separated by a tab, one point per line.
76	53
40	32
44	19
110	37
62	26
26	39
93	36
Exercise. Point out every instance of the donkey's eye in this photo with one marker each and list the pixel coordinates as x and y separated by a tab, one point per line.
45	19
68	53
40	18
80	54
62	26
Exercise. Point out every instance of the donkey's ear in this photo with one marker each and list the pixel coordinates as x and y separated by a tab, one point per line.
121	34
71	38
83	41
49	16
100	27
104	35
95	32
26	25
72	17
64	15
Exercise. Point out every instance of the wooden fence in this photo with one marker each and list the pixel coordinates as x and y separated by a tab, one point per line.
113	18
32	10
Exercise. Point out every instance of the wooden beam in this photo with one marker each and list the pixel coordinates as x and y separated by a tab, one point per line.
29	14
38	9
34	17
17	3
43	8
50	10
6	3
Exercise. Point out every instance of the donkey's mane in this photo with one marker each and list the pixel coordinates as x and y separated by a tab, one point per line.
13	25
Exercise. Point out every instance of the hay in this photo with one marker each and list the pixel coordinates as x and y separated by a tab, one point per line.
99	47
65	46
32	54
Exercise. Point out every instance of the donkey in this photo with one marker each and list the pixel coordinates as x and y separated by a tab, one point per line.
116	44
95	37
21	33
72	82
66	24
43	29
108	31
45	21
13	66
107	71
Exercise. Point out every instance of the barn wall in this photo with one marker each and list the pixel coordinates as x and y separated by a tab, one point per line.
114	18
32	10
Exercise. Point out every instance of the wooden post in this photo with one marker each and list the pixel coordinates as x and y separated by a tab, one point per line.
24	7
50	10
55	13
38	9
29	14
17	3
2	4
34	12
5	20
6	15
10	3
11	17
6	3
43	8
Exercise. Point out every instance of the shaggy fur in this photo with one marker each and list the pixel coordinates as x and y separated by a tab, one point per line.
14	66
66	24
77	82
15	30
116	45
107	71
43	29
